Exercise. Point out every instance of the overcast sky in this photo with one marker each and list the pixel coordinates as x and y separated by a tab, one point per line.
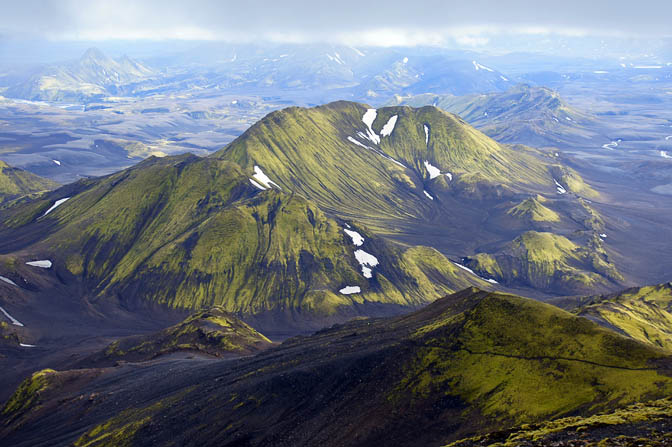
390	22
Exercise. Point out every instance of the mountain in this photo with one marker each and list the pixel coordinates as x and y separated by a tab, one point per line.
188	233
213	332
548	261
466	365
15	182
643	313
523	114
91	77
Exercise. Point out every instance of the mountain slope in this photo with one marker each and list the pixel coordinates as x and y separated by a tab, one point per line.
15	182
190	233
523	114
467	364
547	261
212	332
643	313
332	156
92	76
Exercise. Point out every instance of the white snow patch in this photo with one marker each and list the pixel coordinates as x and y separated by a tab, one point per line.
668	138
350	289
504	78
559	187
377	151
449	175
568	118
603	235
257	185
58	163
7	280
14	321
433	170
600	72
426	133
357	238
610	146
429	196
262	178
234	102
352	140
464	267
359	53
648	67
57	203
491	281
478	66
366	261
23	345
389	126
44	264
664	154
368	119
405	60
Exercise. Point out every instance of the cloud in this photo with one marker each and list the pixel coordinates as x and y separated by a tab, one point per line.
389	23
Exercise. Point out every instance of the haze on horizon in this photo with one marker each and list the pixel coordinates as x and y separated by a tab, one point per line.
520	25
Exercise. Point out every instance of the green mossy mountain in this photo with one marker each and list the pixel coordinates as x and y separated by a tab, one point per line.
189	233
15	182
547	261
213	332
534	209
526	114
643	313
308	151
468	364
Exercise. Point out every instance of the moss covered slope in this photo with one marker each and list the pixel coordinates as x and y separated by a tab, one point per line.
330	155
549	262
643	313
15	182
192	233
213	332
465	365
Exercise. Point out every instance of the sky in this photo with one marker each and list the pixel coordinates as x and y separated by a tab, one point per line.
377	23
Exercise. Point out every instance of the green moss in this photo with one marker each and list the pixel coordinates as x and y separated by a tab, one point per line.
16	182
28	393
533	209
515	360
121	430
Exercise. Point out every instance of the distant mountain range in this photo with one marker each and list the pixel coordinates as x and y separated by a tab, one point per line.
325	71
93	76
524	114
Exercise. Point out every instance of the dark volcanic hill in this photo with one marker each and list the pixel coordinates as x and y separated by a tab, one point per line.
465	365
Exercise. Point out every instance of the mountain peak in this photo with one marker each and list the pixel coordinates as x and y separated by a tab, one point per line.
93	54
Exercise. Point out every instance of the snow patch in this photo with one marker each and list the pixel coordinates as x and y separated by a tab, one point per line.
350	289
7	280
357	238
262	178
429	196
23	345
426	133
389	126
648	67
432	170
610	146
58	163
352	140
366	261
603	235
53	207
405	60
44	264
478	66
464	267
368	119
600	72
257	185
14	321
664	154
359	53
559	187
668	138
377	151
